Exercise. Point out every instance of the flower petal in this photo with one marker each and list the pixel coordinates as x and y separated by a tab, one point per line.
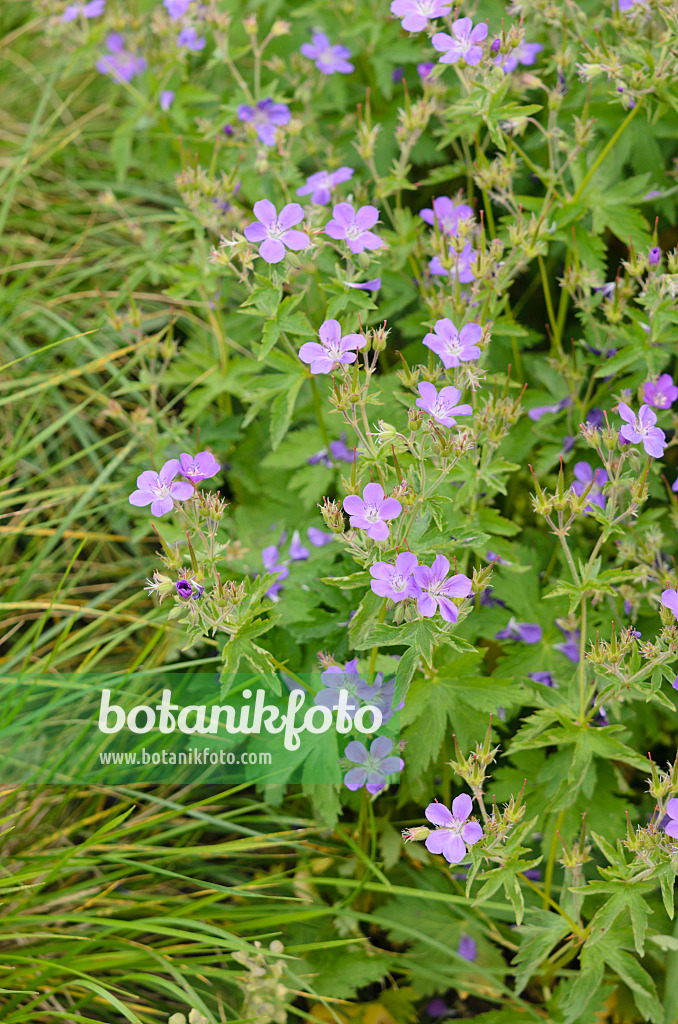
438	814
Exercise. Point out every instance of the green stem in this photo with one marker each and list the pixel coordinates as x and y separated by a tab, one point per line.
606	149
550	863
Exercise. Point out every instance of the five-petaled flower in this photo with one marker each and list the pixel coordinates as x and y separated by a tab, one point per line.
453	346
641	429
661	393
586	476
463	43
328	58
265	118
354	227
453	831
275	231
437	589
320	185
159	490
442	406
373	766
446	214
333	348
416	14
372	512
198	467
524	53
395	580
334	680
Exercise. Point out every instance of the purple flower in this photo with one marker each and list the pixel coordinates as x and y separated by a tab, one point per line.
198	467
467	948
528	632
319	538
189	38
372	511
453	833
524	53
335	679
298	553
158	489
600	719
662	393
570	648
270	558
453	346
332	349
88	10
461	267
319	186
438	1008
354	226
369	286
437	589
328	59
265	117
641	429
166	99
671	827
488	601
670	601
276	231
424	70
446	214
380	695
338	451
119	63
654	256
395	581
463	43
186	589
546	678
443	407
586	477
415	14
542	410
373	767
177	8
594	417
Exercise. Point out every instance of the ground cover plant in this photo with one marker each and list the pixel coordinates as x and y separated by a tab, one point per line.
338	352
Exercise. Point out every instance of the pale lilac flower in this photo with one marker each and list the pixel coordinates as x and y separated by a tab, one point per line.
442	406
461	266
654	256
159	489
121	64
368	286
395	581
454	347
298	553
542	410
641	428
189	38
373	767
453	832
372	512
670	601
671	827
570	648
354	226
424	70
328	58
334	680
319	538
270	558
446	214
332	349
319	186
528	632
265	118
177	8
524	53
626	5
166	99
415	14
275	231
437	588
585	477
198	467
545	678
467	948
88	10
661	393
463	43
380	695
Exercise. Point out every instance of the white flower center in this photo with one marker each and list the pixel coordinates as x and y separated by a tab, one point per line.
372	513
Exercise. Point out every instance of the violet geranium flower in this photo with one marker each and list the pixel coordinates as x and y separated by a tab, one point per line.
265	118
121	64
270	558
198	467
373	511
373	767
367	286
437	589
189	39
463	43
319	538
275	231
545	678
332	349
354	227
454	347
453	832
528	632
446	214
159	490
585	477
166	99
461	265
671	827
415	14
524	53
319	186
661	393
176	8
442	406
328	58
542	410
641	429
334	680
395	581
298	553
88	10
670	601
186	589
570	648
467	948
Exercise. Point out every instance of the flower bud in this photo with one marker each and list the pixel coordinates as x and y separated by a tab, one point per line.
654	256
333	515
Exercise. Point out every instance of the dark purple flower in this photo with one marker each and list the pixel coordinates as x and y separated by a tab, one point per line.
528	632
189	38
275	231
264	118
166	99
600	719
320	185
594	417
373	767
442	407
328	58
641	429
119	63
446	214
270	558
158	489
424	70
453	832
546	678
524	53
454	347
177	8
398	74
333	348
463	43
354	227
654	256
488	600
534	874
541	410
395	581
467	948
186	589
88	10
461	265
662	393
298	553
373	511
368	286
198	467
415	14
586	477
438	1008
319	538
570	648
437	589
